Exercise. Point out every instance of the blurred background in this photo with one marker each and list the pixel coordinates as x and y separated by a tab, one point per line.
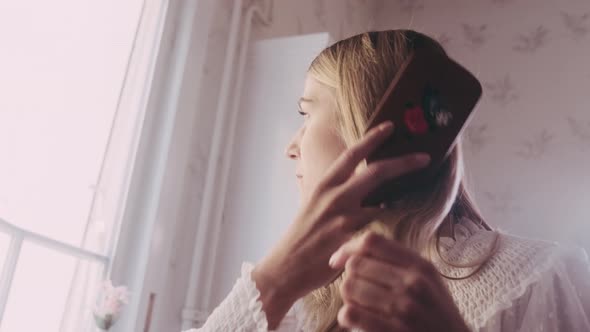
144	142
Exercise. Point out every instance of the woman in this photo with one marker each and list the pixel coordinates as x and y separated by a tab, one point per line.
427	262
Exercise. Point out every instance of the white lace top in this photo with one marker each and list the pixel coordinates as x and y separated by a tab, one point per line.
528	285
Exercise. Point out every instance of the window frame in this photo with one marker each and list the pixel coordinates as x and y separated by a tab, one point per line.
149	220
17	237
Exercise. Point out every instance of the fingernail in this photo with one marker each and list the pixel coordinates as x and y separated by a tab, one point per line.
387	125
334	258
422	159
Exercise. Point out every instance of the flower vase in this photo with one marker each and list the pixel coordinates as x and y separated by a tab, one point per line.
104	323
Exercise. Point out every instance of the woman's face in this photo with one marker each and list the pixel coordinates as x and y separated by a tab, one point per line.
317	143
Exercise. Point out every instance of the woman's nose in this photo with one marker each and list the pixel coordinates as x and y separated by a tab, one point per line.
292	151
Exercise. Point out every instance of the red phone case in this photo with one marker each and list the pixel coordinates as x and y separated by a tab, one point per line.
429	101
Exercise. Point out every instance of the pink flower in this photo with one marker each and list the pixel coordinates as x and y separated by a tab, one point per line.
415	121
110	303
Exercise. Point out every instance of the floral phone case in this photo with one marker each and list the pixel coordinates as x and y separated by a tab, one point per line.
430	100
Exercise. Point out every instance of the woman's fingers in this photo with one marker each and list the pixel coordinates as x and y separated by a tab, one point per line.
377	246
354	316
379	298
375	271
370	295
345	165
360	185
386	290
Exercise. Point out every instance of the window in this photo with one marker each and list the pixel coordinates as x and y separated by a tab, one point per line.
68	124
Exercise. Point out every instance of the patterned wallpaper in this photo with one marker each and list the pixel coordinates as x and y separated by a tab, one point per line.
528	146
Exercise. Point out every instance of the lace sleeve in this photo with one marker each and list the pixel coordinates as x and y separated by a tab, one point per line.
242	311
558	300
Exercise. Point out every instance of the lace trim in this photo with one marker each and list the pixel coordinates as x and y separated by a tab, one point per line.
254	304
507	300
517	265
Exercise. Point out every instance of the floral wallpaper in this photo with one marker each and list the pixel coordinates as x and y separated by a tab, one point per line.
528	146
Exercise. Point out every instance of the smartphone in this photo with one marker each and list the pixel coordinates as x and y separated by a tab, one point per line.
430	101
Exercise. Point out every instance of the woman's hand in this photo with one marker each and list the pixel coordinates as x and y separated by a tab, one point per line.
298	263
391	288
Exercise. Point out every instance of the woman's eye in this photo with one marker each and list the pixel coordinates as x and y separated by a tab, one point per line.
302	113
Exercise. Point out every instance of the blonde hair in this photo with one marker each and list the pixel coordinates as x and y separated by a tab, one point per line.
358	70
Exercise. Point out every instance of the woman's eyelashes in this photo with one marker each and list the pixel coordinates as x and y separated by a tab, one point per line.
304	114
